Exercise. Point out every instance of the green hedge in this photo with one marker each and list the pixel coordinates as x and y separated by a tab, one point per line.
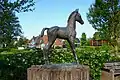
93	57
14	66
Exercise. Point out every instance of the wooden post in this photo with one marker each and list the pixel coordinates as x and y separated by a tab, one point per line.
58	72
112	74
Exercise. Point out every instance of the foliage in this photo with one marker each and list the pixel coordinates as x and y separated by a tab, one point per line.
13	66
94	57
88	41
17	5
23	41
67	45
10	28
9	23
104	15
97	36
61	56
83	40
4	49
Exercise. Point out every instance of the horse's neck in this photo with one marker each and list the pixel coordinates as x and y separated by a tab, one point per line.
71	24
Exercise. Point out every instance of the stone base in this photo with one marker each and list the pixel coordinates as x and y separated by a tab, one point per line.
58	72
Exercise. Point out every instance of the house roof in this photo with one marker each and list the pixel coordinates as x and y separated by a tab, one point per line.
45	40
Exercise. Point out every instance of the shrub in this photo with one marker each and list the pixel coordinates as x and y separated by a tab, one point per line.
14	66
4	49
93	57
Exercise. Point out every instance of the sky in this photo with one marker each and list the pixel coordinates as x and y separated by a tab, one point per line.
50	13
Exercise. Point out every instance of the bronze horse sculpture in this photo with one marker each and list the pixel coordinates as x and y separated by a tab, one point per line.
68	33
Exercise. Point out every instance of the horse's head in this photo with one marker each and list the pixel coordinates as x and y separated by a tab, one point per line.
78	17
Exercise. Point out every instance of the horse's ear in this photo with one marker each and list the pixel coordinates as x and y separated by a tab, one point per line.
76	10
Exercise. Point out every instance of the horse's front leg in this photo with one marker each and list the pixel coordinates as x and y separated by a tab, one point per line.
72	45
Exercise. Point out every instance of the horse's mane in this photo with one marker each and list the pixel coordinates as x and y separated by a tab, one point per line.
70	16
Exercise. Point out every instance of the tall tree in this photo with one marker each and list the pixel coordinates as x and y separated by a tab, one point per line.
9	23
104	15
83	40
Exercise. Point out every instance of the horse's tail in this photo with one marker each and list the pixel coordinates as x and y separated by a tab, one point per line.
42	32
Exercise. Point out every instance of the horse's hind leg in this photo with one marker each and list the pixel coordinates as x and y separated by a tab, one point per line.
45	52
72	45
51	40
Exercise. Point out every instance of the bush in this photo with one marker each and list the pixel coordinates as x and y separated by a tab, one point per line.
14	66
61	56
93	57
4	49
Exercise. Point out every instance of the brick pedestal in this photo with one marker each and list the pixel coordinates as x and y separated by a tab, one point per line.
58	72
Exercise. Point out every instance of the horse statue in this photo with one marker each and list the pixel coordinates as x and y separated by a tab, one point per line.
68	33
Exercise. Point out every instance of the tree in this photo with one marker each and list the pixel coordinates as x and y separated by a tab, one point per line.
83	40
17	5
23	41
104	15
10	28
96	36
9	23
88	41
